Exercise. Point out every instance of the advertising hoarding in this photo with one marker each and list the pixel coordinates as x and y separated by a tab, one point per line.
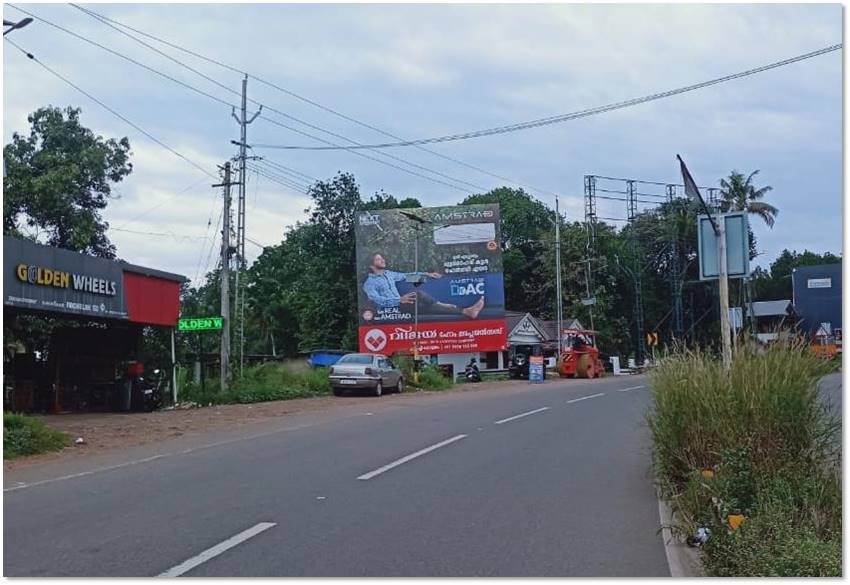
444	261
54	279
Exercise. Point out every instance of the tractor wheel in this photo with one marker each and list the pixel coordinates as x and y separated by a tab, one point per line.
584	367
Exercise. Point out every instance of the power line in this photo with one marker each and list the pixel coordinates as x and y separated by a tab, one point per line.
297	96
126	58
109	109
104	20
161	203
278	179
161	234
570	116
278	173
289	170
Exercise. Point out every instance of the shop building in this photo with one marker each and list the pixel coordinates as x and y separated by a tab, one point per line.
92	313
527	335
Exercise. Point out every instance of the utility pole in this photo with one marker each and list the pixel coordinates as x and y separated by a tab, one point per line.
718	224
226	250
723	281
559	307
239	296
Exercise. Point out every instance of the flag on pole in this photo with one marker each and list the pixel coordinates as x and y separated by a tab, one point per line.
692	191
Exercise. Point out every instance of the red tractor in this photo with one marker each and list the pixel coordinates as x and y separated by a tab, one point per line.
579	355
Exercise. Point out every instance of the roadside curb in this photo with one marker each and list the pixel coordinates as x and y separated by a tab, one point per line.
682	559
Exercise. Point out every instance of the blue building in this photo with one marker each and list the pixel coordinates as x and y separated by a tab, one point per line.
817	299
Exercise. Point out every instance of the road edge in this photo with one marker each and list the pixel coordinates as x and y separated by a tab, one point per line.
682	560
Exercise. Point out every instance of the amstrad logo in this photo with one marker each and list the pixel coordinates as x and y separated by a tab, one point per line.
41	276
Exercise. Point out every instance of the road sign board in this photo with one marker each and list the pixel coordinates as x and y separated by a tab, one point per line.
652	338
199	324
737	246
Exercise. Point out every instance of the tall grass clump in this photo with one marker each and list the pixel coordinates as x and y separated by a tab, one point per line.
756	440
24	435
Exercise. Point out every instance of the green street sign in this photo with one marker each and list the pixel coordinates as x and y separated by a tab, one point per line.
199	324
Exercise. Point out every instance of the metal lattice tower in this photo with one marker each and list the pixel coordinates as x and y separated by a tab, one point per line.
675	270
631	214
712	197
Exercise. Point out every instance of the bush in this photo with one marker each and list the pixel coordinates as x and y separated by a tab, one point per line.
770	442
430	376
23	435
261	383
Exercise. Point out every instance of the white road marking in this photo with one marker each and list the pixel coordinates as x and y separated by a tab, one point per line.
529	413
585	398
630	388
410	457
216	550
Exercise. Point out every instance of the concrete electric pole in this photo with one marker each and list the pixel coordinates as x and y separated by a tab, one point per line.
226	250
239	296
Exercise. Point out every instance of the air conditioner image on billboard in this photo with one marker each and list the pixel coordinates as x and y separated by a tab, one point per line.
442	263
465	233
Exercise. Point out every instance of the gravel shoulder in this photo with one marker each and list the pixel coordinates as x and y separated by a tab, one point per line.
106	432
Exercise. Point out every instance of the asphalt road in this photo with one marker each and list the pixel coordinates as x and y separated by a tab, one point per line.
544	480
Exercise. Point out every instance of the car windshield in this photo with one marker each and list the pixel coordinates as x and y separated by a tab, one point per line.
355	359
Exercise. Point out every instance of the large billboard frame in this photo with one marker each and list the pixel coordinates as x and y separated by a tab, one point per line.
440	264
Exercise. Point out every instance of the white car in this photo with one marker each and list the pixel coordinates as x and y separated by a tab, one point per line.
372	372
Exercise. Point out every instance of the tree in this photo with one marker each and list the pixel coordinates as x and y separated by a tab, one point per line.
527	238
737	193
59	179
302	293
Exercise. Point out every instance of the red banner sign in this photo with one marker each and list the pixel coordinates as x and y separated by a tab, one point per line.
434	338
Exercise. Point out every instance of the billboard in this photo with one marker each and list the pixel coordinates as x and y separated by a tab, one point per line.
445	263
53	279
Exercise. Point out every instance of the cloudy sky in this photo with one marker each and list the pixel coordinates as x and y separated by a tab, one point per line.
418	71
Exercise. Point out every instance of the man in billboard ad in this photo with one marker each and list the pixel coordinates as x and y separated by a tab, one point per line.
445	260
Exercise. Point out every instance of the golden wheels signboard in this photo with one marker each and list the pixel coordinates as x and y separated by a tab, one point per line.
53	279
438	266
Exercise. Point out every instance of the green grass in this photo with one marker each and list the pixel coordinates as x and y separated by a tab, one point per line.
24	435
430	377
273	381
771	442
262	383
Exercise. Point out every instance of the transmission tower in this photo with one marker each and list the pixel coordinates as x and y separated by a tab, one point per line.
675	269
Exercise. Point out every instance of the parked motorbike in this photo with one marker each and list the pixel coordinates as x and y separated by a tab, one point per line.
472	374
147	392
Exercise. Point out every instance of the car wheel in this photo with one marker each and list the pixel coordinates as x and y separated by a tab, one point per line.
337	391
400	386
379	388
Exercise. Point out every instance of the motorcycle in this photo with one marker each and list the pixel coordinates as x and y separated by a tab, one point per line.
472	374
148	392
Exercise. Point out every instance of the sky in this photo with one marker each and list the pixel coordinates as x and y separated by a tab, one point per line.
426	70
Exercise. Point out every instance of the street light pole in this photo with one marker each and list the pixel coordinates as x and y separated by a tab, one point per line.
560	304
15	25
418	221
416	310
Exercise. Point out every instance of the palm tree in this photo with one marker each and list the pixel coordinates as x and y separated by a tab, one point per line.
737	193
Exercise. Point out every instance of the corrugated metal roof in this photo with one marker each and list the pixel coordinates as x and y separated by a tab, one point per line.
771	308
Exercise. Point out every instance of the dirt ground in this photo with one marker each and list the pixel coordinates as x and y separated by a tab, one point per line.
107	431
